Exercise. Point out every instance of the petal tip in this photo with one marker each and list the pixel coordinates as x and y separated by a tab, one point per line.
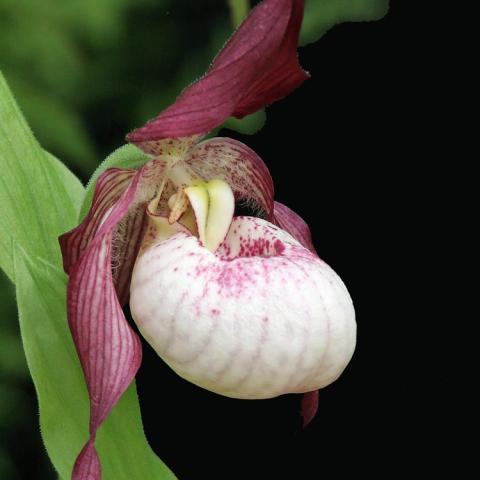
309	407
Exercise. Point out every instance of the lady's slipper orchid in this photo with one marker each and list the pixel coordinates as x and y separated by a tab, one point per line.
241	306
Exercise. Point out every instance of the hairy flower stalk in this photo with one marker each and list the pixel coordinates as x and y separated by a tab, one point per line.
241	306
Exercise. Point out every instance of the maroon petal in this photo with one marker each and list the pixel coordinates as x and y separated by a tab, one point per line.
127	235
126	244
294	224
281	73
109	350
109	188
87	466
258	66
309	407
239	166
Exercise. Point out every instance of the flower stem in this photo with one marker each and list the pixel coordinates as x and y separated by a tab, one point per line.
238	11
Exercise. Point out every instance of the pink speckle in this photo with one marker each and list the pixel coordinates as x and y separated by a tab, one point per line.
248	261
279	247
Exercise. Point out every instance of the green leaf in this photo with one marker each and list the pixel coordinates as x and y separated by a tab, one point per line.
238	11
63	400
7	470
40	197
248	125
321	15
127	156
57	126
12	359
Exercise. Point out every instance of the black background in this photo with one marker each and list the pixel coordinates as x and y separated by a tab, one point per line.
344	152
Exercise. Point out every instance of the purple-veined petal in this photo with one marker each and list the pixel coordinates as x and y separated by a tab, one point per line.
127	235
258	66
109	350
260	317
284	73
127	239
109	188
288	220
239	166
87	465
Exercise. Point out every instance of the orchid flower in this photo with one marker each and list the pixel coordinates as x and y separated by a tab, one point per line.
241	306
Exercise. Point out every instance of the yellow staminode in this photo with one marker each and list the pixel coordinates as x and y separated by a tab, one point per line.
213	204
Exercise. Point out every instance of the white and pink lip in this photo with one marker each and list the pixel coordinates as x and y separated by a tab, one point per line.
259	317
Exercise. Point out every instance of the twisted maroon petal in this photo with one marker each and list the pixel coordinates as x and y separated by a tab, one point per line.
109	350
239	166
257	67
309	406
127	239
281	72
127	235
288	220
109	188
87	466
